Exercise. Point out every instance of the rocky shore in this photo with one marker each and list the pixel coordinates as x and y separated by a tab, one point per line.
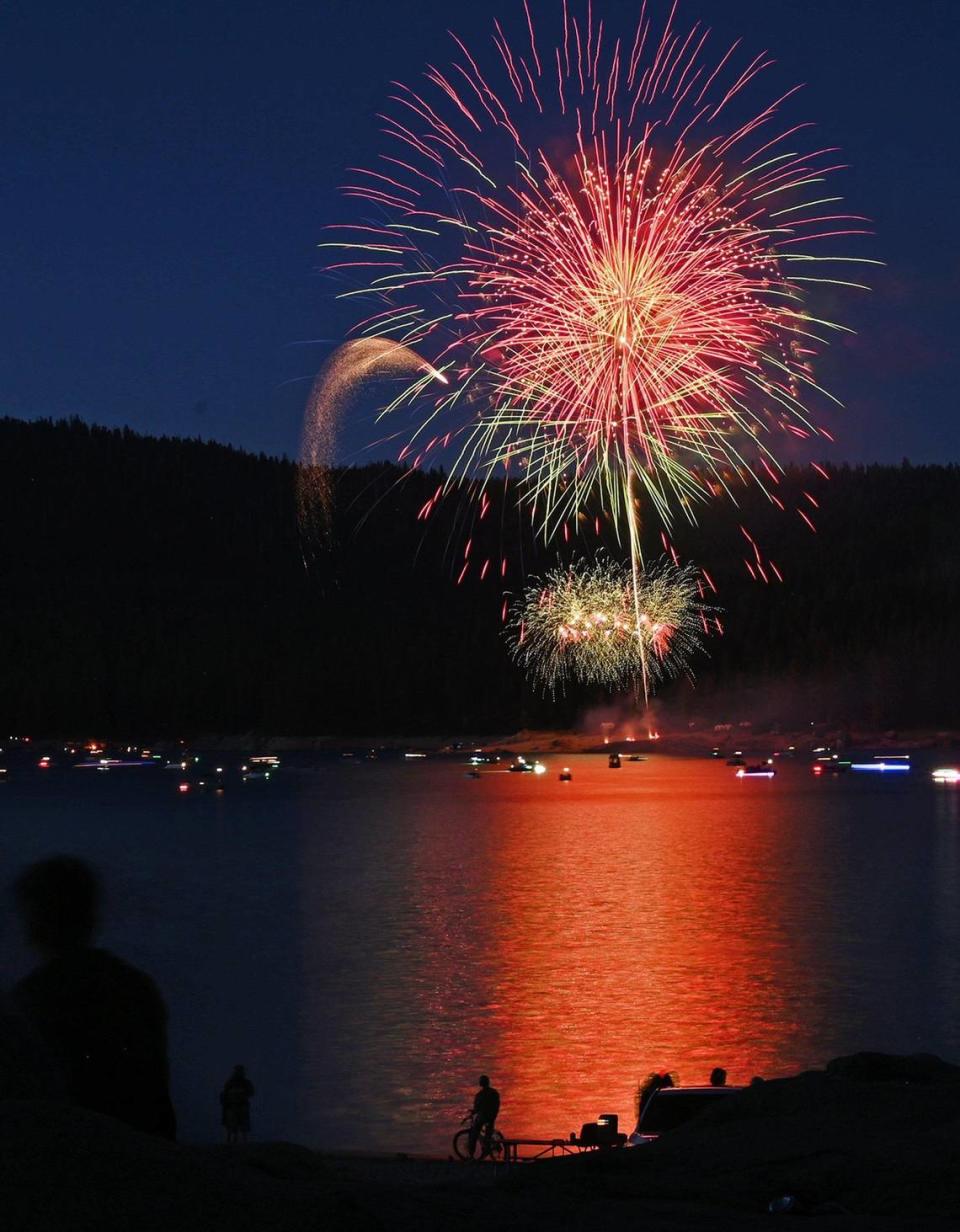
870	1142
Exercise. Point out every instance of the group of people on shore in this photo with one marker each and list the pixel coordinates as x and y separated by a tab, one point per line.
84	1026
91	1029
486	1104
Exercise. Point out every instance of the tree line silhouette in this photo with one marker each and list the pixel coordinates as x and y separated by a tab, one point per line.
159	586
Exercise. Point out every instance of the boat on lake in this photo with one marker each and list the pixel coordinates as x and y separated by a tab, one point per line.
522	766
761	771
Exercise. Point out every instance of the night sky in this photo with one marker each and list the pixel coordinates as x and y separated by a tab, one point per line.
169	167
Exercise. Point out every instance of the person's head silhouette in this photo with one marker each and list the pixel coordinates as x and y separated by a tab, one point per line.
484	1080
59	902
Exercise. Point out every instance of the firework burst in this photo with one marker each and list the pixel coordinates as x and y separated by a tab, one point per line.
608	250
589	624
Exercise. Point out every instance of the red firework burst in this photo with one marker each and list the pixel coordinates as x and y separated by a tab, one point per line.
608	252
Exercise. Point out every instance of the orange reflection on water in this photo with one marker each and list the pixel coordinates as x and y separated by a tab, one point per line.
636	932
569	937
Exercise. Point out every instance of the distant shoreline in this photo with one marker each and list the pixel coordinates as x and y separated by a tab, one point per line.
627	738
678	743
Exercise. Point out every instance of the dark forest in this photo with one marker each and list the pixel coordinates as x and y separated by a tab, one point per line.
162	587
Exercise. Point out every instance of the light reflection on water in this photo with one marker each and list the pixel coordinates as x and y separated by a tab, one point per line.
369	938
569	938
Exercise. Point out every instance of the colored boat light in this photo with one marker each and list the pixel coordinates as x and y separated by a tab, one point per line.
946	774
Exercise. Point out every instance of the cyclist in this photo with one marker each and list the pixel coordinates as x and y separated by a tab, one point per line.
486	1105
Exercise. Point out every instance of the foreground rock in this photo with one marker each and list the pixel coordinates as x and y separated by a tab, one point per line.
65	1168
869	1143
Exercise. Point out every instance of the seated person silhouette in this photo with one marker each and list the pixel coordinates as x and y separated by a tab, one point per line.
103	1021
645	1091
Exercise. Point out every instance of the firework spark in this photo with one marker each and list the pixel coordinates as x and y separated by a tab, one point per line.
608	251
342	378
587	624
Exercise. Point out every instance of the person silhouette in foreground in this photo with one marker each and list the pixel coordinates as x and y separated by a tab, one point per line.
102	1020
718	1077
235	1102
645	1091
486	1106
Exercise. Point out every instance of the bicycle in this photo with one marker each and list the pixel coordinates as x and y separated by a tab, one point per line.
492	1144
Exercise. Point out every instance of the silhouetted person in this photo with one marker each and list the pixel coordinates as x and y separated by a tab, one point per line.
486	1105
103	1021
718	1077
235	1102
653	1082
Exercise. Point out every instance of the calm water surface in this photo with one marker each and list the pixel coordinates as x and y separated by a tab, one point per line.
369	937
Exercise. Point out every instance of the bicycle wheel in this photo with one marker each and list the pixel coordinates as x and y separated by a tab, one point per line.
461	1144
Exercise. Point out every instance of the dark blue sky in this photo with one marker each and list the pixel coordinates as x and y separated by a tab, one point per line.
169	166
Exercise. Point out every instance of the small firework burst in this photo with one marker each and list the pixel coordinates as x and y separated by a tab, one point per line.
593	623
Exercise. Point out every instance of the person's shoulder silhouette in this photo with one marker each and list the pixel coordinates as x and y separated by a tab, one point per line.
103	1019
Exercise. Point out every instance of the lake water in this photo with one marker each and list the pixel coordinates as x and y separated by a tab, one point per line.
368	937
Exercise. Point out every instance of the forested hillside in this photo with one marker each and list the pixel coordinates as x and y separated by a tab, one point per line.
161	586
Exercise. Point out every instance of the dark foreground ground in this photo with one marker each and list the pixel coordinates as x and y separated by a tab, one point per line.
868	1143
